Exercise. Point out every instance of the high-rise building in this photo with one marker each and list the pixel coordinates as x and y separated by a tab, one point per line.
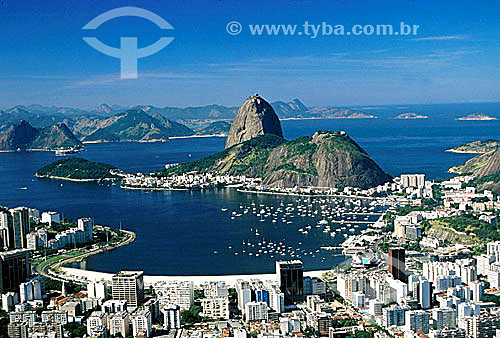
15	268
171	317
290	276
413	180
417	321
175	292
424	294
394	316
397	266
87	226
215	289
142	323
119	323
97	323
18	330
51	217
96	290
477	290
55	316
444	318
255	311
20	227
31	290
5	227
215	308
244	293
129	286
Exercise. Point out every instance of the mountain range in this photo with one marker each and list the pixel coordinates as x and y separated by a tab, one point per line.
43	116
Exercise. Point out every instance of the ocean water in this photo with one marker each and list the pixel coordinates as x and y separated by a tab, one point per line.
185	233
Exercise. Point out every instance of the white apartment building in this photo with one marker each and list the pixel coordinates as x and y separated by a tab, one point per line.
255	311
51	217
119	323
175	292
142	323
215	308
96	290
215	289
96	323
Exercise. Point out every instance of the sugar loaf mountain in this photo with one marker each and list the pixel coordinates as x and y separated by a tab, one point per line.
255	147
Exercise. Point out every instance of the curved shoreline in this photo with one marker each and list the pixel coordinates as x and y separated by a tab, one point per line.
51	270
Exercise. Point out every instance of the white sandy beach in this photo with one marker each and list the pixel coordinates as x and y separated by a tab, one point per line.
149	280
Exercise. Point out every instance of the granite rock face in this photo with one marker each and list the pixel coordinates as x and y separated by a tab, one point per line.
327	159
255	117
492	166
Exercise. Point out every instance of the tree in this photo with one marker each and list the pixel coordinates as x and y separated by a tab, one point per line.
76	330
192	315
310	332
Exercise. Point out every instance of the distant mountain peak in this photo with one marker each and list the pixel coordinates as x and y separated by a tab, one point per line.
23	136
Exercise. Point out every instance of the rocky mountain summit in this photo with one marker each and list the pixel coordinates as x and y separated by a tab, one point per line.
22	136
255	117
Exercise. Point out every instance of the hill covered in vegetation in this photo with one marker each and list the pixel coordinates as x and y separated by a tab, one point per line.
76	168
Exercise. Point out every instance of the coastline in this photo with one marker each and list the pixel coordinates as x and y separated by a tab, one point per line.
153	189
135	141
160	140
73	179
53	268
463	151
197	136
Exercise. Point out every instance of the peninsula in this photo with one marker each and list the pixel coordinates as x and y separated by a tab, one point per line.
476	147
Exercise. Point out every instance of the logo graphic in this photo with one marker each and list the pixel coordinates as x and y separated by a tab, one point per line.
234	28
128	53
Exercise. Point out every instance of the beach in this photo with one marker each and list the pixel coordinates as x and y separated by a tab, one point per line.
230	280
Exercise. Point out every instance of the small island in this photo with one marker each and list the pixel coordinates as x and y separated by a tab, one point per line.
476	147
411	116
77	169
477	117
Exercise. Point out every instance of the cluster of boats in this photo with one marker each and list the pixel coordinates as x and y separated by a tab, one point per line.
328	217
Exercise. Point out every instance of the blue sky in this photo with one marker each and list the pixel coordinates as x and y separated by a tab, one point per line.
454	57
